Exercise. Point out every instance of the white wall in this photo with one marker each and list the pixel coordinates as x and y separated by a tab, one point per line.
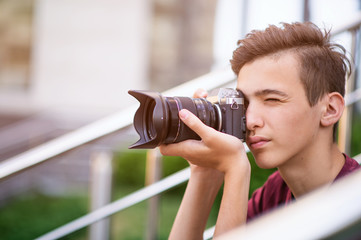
88	53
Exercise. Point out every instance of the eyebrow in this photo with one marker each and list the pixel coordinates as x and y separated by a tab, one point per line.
267	91
264	92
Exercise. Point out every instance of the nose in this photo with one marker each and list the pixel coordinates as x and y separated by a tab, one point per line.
254	118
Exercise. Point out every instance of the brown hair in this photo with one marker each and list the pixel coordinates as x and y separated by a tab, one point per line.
323	65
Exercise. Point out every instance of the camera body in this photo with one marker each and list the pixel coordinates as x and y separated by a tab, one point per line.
157	121
230	103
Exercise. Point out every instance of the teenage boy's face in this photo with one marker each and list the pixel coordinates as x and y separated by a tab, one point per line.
280	122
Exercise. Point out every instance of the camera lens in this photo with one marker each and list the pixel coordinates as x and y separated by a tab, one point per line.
178	131
200	107
149	120
157	121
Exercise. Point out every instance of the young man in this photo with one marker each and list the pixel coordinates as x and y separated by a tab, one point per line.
293	80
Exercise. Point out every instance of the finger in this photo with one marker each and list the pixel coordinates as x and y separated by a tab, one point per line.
200	93
195	124
183	149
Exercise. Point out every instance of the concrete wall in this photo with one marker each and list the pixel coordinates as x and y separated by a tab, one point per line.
88	53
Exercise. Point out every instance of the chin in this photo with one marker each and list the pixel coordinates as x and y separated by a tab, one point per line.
265	162
265	165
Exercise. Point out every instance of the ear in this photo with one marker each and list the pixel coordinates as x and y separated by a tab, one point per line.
334	104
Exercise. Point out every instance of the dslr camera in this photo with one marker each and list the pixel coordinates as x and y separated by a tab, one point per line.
157	121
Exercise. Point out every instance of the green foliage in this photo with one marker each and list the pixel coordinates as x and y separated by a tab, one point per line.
173	164
356	135
258	175
31	216
129	167
129	224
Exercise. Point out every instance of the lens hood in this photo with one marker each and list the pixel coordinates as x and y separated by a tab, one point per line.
150	119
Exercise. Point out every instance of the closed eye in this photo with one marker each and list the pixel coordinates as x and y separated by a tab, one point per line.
272	100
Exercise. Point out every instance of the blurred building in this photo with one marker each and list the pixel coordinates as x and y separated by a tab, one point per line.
67	63
81	57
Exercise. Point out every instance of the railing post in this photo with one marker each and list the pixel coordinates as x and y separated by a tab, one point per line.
153	174
345	124
100	191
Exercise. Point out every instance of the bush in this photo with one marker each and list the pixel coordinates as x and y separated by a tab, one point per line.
129	167
356	135
33	215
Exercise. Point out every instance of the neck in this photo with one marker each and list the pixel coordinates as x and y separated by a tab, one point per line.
308	172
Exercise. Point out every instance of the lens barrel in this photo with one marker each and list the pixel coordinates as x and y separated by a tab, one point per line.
157	121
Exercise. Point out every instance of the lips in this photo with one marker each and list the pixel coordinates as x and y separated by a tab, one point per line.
256	142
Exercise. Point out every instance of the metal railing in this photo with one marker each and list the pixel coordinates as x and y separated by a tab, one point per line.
105	126
119	205
120	121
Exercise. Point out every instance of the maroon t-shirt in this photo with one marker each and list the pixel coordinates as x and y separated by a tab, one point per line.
275	191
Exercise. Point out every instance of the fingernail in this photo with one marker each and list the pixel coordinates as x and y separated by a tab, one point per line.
183	114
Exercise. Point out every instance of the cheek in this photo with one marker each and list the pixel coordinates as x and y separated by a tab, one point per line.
296	125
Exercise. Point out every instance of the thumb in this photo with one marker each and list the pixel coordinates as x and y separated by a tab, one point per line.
194	123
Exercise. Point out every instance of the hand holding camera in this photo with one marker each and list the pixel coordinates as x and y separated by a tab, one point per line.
216	150
157	122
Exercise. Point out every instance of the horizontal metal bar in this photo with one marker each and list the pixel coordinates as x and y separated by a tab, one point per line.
208	234
67	142
353	97
102	127
212	80
353	24
120	204
358	158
